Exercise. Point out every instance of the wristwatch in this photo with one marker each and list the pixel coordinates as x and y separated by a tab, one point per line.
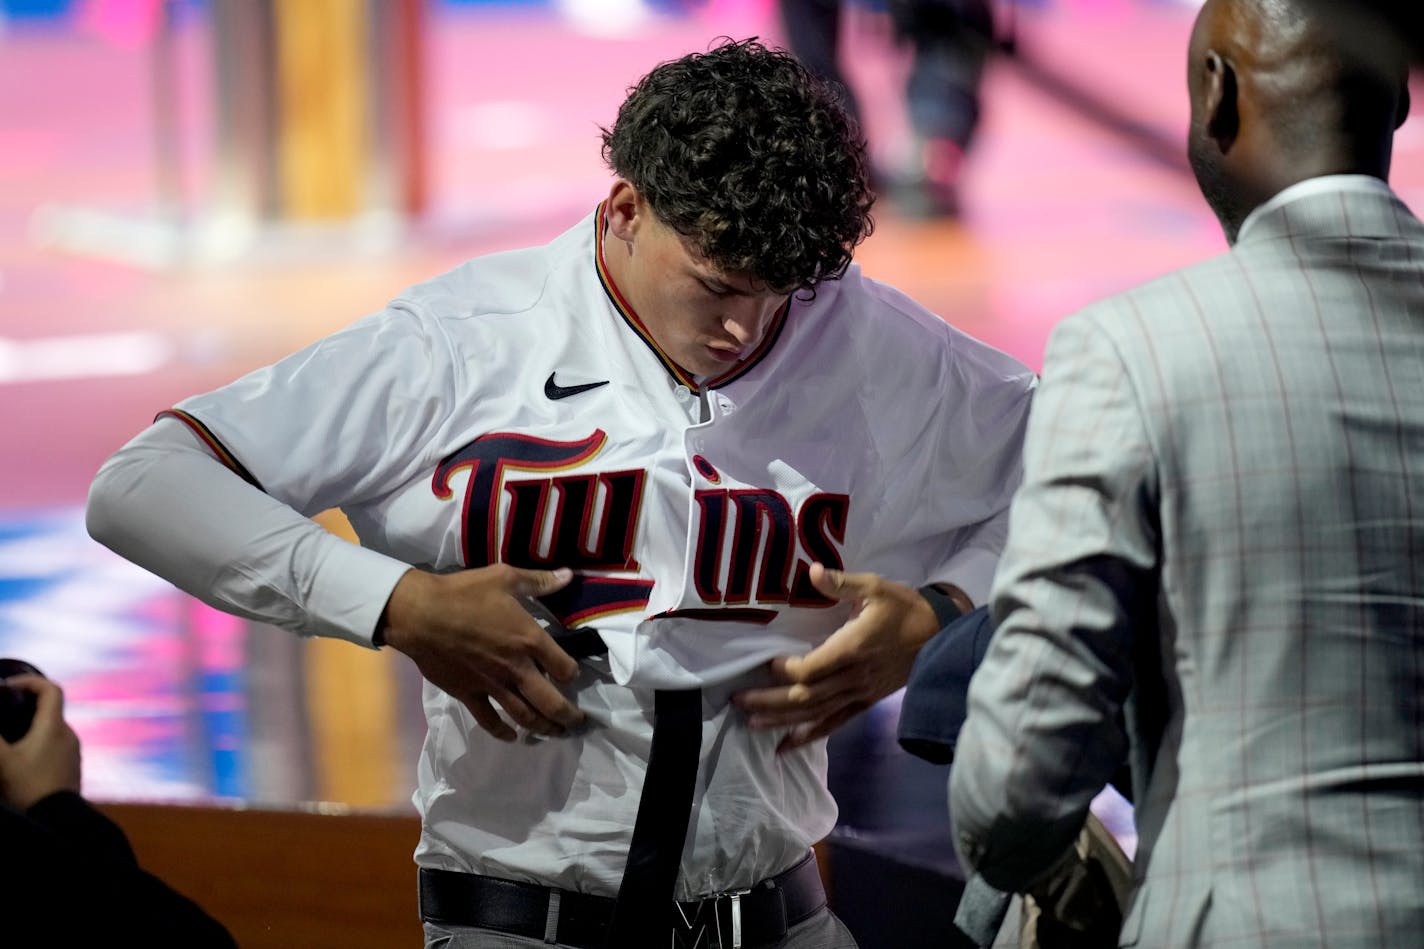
946	610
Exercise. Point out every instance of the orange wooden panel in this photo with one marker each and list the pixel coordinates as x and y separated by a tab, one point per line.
279	879
323	106
351	706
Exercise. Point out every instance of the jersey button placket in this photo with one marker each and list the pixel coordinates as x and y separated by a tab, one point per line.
690	402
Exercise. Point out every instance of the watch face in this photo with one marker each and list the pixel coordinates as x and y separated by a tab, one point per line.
17	707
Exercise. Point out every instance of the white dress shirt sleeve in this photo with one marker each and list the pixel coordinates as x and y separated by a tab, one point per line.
218	503
165	502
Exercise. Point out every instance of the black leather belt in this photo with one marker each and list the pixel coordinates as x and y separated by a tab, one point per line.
760	916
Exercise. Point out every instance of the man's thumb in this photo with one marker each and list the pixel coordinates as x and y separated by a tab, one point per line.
829	581
541	582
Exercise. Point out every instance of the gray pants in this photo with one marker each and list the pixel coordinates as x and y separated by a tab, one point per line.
821	931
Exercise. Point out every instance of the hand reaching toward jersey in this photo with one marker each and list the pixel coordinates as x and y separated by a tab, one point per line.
858	665
46	759
468	634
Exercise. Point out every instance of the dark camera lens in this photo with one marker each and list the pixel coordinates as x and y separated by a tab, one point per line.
17	706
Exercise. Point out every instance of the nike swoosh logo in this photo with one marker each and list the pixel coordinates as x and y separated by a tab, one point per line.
555	391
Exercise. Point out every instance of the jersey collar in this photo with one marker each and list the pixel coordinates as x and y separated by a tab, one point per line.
625	310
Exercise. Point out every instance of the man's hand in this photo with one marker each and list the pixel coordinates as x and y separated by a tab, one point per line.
858	665
469	635
46	759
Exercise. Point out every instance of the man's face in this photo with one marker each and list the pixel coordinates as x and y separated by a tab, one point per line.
705	320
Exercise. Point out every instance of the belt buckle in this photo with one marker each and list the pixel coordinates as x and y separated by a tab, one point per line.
735	898
695	927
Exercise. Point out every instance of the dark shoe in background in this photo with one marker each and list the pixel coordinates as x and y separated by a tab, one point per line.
930	190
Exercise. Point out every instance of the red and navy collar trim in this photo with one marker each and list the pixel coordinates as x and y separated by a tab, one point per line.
625	310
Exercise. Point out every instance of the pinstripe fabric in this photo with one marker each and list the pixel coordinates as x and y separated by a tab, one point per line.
1224	504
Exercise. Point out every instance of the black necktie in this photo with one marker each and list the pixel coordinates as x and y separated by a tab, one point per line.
642	916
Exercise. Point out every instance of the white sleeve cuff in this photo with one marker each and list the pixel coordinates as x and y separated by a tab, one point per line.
350	587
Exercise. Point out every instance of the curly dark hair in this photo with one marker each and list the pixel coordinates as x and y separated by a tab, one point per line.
750	158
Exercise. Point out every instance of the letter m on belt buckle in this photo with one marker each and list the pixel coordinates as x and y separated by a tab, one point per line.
690	932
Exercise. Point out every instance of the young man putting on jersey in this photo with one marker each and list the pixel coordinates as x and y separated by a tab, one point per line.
679	424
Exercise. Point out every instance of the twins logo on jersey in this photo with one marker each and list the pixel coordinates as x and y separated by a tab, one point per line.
749	541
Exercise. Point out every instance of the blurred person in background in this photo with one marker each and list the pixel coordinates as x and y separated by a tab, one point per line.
950	42
69	875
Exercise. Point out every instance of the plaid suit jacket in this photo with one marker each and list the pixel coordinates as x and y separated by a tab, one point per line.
1221	533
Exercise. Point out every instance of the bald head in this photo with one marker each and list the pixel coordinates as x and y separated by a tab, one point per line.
1285	90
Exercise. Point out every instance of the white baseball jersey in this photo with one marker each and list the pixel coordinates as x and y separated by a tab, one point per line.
515	410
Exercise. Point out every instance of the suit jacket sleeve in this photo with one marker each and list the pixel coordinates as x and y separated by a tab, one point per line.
1043	733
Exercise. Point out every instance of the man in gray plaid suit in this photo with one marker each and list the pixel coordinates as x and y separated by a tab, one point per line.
1215	566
